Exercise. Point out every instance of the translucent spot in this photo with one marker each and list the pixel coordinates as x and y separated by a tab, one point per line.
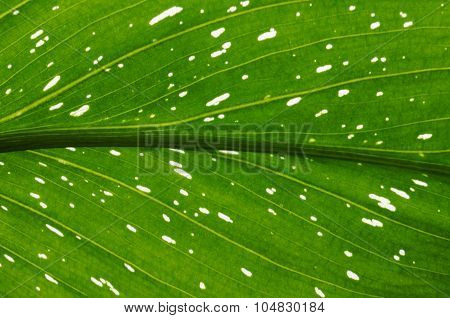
51	279
52	83
54	230
168	239
293	101
267	35
143	189
218	32
165	14
319	292
225	217
129	267
246	272
424	136
324	68
352	275
375	25
80	112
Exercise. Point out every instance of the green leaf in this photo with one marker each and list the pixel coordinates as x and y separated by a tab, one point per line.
224	148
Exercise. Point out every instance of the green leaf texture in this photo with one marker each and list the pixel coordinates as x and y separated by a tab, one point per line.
302	148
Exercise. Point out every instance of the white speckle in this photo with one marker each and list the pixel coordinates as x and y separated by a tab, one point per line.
166	218
293	101
343	92
9	258
8	91
348	253
39	180
55	107
379	94
225	217
407	24
396	257
202	285
329	46
175	164
345	63
43	205
54	230
320	234
420	183
424	136
208	119
216	101
51	279
183	173
352	8
301	196
324	68
313	218
245	3
184	192
401	193
322	112
217	33
120	65
350	136
96	282
80	111
359	127
319	292
52	83
55	8
204	210
114	152
372	222
183	94
383	202
166	14
35	195
226	45
267	35
232	9
42	256
246	272
191	58
143	189
402	252
36	34
375	25
131	228
244	77
129	267
352	275
168	239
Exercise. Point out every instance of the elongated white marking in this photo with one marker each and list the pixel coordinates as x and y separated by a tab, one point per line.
183	173
420	183
343	92
383	202
319	292
131	228
175	164
352	275
407	24
80	111
246	272
375	25
9	258
143	189
372	222
129	267
184	192
36	34
424	136
96	282
114	152
55	107
293	101
225	217
39	180
217	33
166	217
204	210
51	279
229	152
324	68
322	112
168	239
166	14
348	253
268	35
42	256
52	83
216	101
401	193
54	230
